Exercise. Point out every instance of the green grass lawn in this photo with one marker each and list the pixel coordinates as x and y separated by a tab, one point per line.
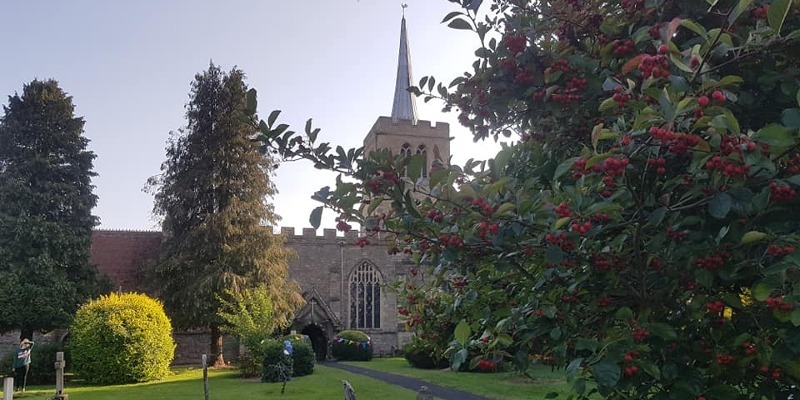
325	383
186	383
501	386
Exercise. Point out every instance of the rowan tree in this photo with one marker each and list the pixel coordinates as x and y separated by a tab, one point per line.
46	203
213	195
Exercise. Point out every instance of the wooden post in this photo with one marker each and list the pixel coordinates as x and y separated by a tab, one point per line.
59	365
205	376
8	388
424	394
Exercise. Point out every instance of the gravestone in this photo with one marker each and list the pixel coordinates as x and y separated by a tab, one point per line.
59	365
8	388
424	394
349	392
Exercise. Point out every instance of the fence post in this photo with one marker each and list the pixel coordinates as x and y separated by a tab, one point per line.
205	376
59	365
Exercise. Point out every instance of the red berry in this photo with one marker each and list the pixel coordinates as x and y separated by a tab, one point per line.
703	101
663	49
718	97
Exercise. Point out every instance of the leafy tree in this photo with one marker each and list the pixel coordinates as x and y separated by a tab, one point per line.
46	203
248	314
641	232
213	195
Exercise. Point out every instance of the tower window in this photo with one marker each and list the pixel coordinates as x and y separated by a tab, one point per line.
405	151
421	150
365	297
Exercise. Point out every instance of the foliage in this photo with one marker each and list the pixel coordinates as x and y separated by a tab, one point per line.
303	358
46	201
422	354
250	364
249	315
43	357
277	364
213	195
351	345
121	338
640	233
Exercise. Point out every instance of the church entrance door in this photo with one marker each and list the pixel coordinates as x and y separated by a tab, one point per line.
319	341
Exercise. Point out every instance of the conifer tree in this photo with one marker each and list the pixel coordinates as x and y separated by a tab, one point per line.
213	195
46	203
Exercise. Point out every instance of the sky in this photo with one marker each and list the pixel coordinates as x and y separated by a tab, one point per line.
129	64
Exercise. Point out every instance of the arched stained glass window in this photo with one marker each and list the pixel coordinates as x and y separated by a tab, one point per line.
424	152
365	297
405	151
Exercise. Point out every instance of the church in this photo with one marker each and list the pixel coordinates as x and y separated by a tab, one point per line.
344	285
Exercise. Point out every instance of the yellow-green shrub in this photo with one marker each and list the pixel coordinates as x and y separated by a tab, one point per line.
122	338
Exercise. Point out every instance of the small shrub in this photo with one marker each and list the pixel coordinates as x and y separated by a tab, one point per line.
352	346
422	355
250	364
43	356
303	358
121	338
277	365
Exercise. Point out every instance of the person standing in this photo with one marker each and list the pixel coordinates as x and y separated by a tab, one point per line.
22	363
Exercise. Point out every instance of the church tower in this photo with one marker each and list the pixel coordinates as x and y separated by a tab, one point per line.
403	133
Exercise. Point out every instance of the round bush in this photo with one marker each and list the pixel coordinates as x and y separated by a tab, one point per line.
303	358
277	365
122	338
352	346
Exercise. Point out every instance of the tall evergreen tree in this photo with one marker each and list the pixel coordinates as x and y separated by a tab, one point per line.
46	203
213	195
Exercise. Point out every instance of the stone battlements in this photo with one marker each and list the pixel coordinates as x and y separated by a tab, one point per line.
289	232
385	126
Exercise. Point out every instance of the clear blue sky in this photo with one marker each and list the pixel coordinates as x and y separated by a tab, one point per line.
129	64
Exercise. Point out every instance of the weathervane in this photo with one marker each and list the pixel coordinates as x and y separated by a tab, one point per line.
404	6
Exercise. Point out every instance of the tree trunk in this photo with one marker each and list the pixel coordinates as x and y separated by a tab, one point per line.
216	346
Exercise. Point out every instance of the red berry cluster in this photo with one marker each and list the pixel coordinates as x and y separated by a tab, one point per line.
582	228
760	12
559	240
562	210
620	97
450	241
460	282
601	218
736	144
579	168
604	301
615	166
485	229
632	5
571	92
508	64
622	47
655	30
656	66
362	241
660	164
778	303
342	225
563	66
723	359
435	215
727	168
703	101
711	263
675	142
718	97
793	165
775	374
779	251
486	366
780	192
676	235
630	370
749	348
483	206
524	76
715	307
515	44
640	334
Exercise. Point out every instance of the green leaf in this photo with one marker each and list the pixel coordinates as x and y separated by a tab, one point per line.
561	222
462	332
657	216
316	217
624	314
564	167
790	118
551	395
753	236
796	317
554	255
414	166
722	391
460	23
797	97
777	14
694	27
737	11
606	373
775	135
587	344
273	116
761	291
447	18
720	205
662	330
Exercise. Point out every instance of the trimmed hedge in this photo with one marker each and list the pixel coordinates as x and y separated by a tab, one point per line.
303	358
273	357
121	338
352	346
422	356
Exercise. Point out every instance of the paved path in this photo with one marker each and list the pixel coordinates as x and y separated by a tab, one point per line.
440	392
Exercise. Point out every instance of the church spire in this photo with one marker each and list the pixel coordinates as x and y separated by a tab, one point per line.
404	105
